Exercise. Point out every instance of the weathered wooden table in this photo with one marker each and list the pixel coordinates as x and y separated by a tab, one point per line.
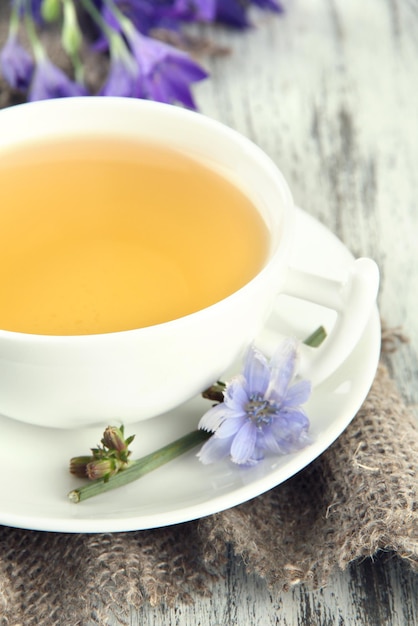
330	92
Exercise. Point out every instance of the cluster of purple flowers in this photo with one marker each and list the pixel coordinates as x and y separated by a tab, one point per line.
140	66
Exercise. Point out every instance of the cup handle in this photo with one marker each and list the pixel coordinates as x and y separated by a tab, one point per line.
353	299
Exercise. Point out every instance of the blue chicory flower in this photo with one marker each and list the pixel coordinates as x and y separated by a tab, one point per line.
49	81
16	63
262	410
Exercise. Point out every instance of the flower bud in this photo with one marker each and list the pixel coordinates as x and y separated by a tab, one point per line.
101	468
71	36
113	439
78	465
50	10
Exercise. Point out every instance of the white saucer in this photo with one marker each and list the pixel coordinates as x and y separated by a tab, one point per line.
35	478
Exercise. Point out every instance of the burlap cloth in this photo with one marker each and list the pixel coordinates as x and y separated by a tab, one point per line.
359	497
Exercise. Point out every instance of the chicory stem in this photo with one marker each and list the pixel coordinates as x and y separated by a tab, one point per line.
137	469
316	338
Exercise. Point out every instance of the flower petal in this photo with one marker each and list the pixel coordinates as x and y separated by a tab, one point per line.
271	5
214	450
214	417
122	81
235	394
267	441
16	64
186	69
298	393
195	10
166	71
231	426
164	87
283	366
49	81
123	77
256	372
233	13
297	419
243	444
290	430
176	74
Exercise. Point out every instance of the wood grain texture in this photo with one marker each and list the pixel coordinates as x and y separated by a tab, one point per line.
329	91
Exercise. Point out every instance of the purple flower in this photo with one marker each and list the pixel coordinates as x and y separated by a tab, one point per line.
35	7
234	12
166	72
49	81
261	410
145	15
195	10
16	63
270	5
123	78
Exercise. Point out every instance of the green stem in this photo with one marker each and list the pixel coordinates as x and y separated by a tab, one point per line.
14	18
71	39
140	467
35	42
97	17
316	338
124	21
117	45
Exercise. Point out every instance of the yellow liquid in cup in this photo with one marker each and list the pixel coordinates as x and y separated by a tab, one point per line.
100	235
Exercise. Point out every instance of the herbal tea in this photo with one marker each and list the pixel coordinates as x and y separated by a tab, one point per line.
100	235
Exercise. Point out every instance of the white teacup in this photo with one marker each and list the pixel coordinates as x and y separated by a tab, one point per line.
70	381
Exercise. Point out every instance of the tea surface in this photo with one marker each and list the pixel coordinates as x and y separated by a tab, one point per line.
100	235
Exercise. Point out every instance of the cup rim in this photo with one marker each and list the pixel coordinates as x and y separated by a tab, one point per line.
257	155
